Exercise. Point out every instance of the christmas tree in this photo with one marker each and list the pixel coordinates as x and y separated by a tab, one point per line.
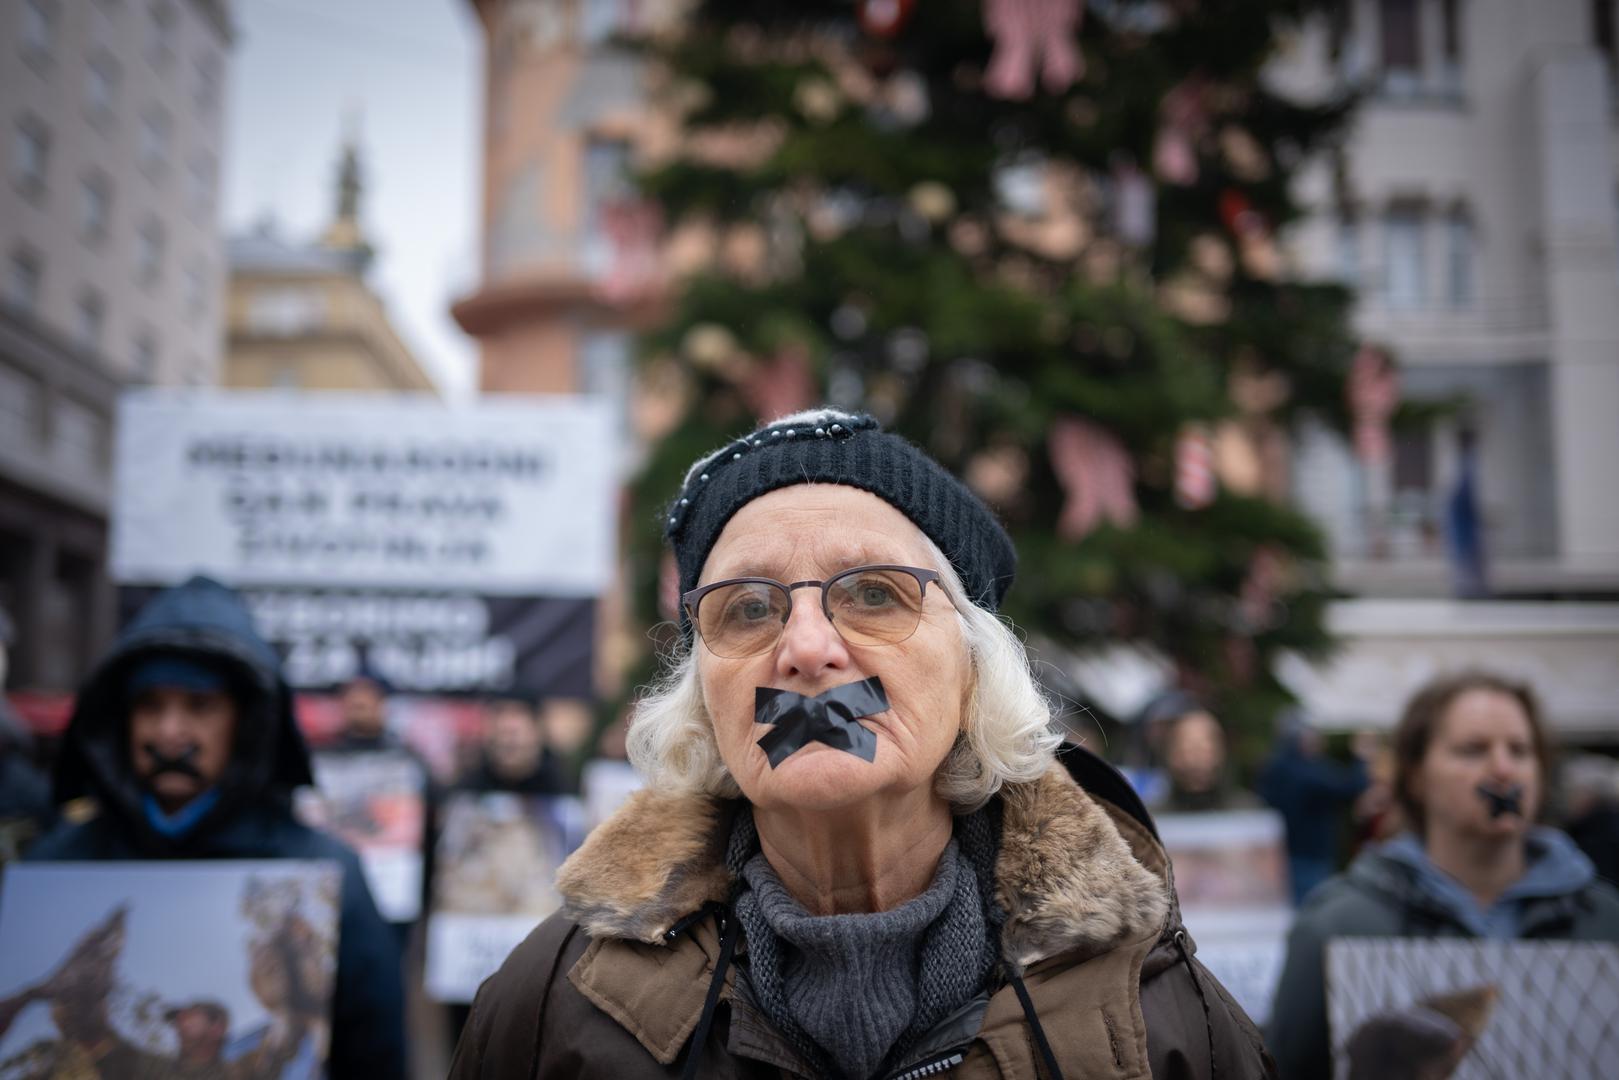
1038	238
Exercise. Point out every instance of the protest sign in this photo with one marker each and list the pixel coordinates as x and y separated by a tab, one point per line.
374	801
1231	876
452	549
494	881
168	968
1407	1008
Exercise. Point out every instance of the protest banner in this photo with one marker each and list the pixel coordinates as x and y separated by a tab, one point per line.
451	549
168	968
375	802
1231	876
494	881
1408	1008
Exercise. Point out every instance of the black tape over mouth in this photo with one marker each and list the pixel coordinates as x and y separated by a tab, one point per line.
1502	801
831	717
180	764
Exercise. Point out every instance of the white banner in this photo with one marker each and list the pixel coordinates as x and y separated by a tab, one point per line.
508	497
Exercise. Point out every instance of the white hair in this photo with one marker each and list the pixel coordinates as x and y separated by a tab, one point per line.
1007	733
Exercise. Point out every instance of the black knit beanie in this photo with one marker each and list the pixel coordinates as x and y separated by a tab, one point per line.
824	446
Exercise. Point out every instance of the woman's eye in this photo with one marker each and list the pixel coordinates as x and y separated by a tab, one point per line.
751	610
874	595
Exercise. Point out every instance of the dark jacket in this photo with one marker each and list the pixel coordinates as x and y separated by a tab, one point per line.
1308	790
25	791
252	817
1394	891
618	983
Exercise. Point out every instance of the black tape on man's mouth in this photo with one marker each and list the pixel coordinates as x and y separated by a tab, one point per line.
830	717
1502	801
180	763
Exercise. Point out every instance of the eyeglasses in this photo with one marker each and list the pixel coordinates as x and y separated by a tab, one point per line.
868	605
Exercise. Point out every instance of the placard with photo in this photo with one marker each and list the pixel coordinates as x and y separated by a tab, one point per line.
494	880
375	802
148	969
1432	1009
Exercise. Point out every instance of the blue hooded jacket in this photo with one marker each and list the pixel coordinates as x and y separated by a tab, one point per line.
252	816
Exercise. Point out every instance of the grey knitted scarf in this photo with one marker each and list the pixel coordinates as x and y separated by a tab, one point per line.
853	992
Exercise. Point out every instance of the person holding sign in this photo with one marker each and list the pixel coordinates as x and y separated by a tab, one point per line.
857	854
1470	778
184	735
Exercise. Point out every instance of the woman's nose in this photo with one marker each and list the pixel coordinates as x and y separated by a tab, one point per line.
809	644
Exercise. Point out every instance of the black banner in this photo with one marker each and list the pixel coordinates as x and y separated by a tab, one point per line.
423	642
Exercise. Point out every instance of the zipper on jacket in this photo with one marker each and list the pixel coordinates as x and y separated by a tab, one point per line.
936	1067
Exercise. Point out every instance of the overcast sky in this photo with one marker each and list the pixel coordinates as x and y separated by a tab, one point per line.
411	71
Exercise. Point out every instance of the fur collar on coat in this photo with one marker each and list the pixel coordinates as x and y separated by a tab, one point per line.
1067	878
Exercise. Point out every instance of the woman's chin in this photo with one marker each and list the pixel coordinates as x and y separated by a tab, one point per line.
820	777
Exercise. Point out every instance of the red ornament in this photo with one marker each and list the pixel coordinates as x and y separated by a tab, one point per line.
1097	475
1030	34
1194	468
884	18
780	386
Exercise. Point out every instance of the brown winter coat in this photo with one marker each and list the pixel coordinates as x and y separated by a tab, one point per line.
614	986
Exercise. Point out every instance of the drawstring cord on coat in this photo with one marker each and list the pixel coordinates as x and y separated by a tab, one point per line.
728	933
1040	1042
699	1039
1197	984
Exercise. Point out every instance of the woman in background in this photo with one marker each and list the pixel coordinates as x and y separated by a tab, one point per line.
1471	762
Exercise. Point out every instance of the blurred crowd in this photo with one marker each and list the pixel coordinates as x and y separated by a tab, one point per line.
1462	820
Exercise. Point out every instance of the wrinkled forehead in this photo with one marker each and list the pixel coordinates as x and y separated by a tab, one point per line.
812	529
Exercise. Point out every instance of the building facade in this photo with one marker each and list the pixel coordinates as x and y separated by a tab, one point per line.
302	316
114	131
569	262
1475	209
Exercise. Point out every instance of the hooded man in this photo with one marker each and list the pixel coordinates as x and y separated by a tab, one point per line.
184	734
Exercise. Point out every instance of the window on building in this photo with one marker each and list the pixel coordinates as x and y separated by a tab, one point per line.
160	32
24	273
200	186
1450	40
606	161
196	297
1604	34
101	88
77	435
38	30
30	155
144	356
207	82
95	207
89	316
1348	245
284	311
1460	255
605	183
154	143
21	407
1404	258
1400	53
149	242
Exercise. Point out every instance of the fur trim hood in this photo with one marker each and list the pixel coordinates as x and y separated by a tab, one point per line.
1074	874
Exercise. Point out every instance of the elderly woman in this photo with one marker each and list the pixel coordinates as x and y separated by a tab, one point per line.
857	855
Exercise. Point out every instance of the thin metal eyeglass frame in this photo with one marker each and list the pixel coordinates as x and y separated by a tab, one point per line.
924	578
